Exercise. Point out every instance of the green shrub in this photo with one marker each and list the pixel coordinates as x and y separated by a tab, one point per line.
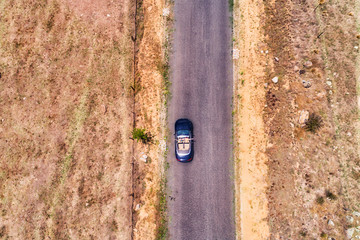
320	200
303	233
140	135
314	123
323	235
330	195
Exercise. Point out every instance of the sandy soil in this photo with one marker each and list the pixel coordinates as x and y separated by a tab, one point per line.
65	116
249	133
312	179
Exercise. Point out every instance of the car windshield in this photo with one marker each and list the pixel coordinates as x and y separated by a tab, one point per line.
183	132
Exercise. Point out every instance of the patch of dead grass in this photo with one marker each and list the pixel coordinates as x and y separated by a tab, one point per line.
65	78
150	116
304	167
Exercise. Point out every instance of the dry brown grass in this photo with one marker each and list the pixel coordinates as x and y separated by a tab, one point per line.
65	119
151	115
304	167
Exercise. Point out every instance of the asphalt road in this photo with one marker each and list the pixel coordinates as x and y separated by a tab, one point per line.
201	206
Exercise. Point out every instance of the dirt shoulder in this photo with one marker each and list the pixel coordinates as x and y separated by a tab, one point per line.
250	140
150	115
312	178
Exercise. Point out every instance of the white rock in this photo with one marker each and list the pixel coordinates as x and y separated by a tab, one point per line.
356	214
144	158
262	51
236	53
331	223
275	79
330	92
350	233
166	12
350	219
265	85
329	83
306	84
266	52
304	116
308	64
137	208
108	15
356	47
162	145
349	134
276	59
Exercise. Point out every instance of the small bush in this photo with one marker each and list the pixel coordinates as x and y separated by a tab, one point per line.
231	5
323	235
314	123
163	68
330	195
303	233
320	200
114	226
140	135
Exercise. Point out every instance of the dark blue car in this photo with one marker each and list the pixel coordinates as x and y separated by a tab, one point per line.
184	144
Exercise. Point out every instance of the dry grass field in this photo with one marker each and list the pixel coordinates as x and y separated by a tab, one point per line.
65	119
310	180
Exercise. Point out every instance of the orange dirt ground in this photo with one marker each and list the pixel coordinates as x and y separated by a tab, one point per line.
312	179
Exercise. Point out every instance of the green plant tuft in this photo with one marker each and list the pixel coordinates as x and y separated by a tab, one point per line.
330	195
140	135
231	5
314	123
303	233
320	200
